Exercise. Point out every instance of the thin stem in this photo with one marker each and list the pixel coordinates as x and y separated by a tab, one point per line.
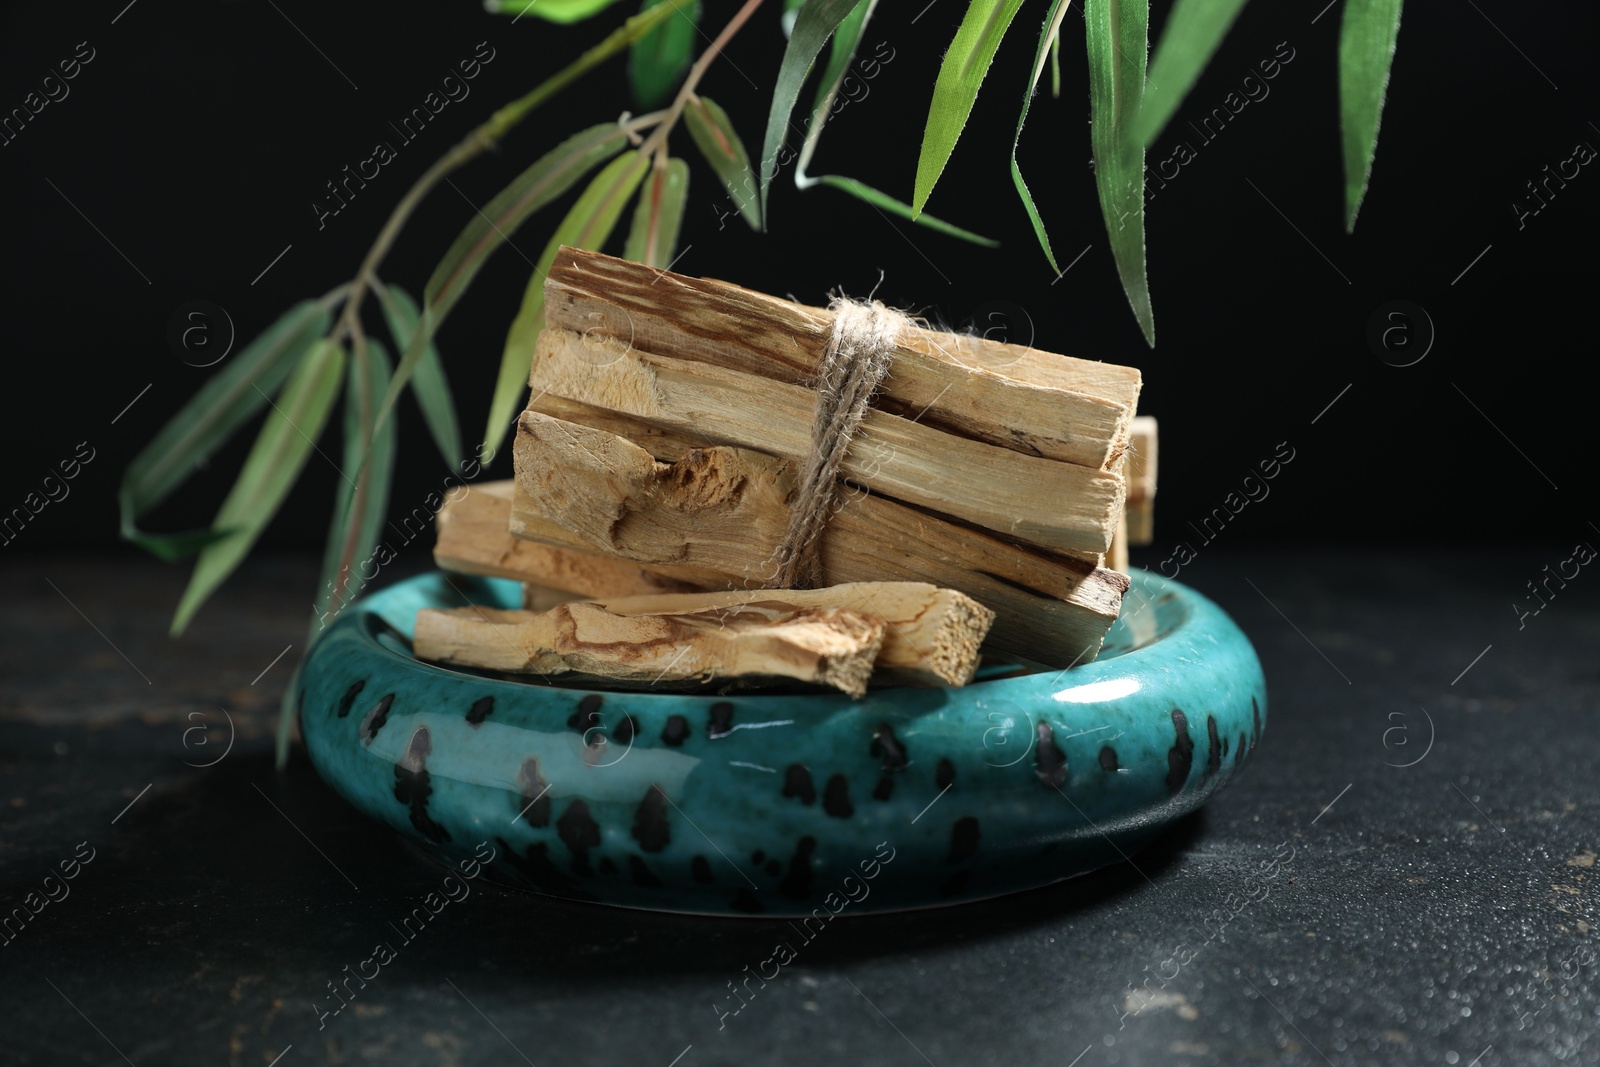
696	72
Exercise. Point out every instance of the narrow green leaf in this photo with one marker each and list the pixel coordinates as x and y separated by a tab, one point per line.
841	56
544	181
813	25
899	207
232	396
715	137
1188	41
1047	40
843	49
286	440
558	11
1116	34
658	216
428	382
956	89
359	510
587	225
1055	65
1366	52
659	59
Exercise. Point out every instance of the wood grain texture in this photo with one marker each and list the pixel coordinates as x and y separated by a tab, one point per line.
1140	509
824	646
1019	398
1051	504
472	538
721	511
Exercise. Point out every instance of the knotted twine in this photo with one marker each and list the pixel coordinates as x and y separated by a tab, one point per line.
858	353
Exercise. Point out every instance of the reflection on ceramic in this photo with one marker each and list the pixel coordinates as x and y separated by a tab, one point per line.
783	803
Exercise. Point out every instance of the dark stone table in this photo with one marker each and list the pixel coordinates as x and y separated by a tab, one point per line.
1426	783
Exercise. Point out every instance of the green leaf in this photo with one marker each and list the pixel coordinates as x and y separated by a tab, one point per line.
360	509
956	89
843	49
901	208
558	11
428	381
658	216
1366	52
813	26
661	57
715	137
791	11
286	440
587	225
1116	35
492	227
1047	39
232	396
1188	41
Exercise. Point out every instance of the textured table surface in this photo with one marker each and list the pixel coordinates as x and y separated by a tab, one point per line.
1441	912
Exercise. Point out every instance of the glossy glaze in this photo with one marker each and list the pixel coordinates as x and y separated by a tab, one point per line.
785	804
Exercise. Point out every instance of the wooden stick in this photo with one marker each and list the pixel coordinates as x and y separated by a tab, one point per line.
472	539
722	510
1044	502
825	646
1037	403
932	639
1140	510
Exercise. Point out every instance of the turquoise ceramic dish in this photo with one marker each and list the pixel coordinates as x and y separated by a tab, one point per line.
784	804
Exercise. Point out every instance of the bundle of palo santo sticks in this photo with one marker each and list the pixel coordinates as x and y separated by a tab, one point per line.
716	486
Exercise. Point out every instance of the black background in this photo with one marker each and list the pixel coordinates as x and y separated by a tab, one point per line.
199	135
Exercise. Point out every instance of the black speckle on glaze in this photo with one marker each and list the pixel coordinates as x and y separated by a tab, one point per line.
954	884
626	730
1180	757
797	783
650	827
605	866
643	876
375	719
721	721
701	869
895	759
1108	759
774	868
746	901
348	701
1049	762
531	785
539	870
1214	749
587	717
481	709
963	839
676	731
836	797
944	775
579	832
797	884
411	786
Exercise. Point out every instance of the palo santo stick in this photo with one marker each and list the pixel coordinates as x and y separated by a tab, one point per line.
472	539
1038	403
933	634
1044	502
723	510
825	646
1140	510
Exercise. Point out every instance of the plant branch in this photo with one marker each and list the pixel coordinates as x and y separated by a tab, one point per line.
696	72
